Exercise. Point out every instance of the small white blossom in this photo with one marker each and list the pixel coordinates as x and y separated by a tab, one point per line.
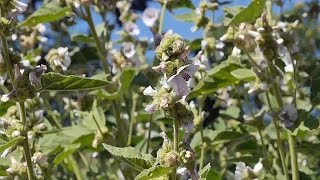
236	52
41	28
246	172
20	6
149	91
128	49
15	133
132	29
151	108
4	98
150	16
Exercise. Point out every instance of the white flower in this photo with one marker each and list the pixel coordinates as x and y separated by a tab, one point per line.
150	16
39	158
15	133
20	6
63	52
178	82
132	29
5	98
151	108
41	28
236	52
149	91
128	49
289	115
5	152
246	172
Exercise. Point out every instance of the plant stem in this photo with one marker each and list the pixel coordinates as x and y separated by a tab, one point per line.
132	118
101	50
293	157
163	12
175	138
149	134
21	106
75	167
279	141
204	145
27	155
203	149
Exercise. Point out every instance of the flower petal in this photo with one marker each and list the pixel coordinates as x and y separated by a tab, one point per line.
149	91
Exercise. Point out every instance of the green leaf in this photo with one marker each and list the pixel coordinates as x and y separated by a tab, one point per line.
186	17
208	135
244	74
228	136
229	13
4	107
59	82
180	4
156	172
69	150
131	156
195	44
250	13
125	81
218	77
99	117
232	111
80	38
203	173
11	143
47	13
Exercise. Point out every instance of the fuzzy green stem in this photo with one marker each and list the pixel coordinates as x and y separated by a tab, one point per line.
163	12
203	149
175	138
279	141
132	118
26	148
75	167
7	59
101	50
120	123
293	157
204	145
149	134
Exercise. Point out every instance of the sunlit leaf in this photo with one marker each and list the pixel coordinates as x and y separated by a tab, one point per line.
11	143
217	78
59	82
4	107
131	156
65	153
155	172
203	173
250	13
187	17
244	74
47	13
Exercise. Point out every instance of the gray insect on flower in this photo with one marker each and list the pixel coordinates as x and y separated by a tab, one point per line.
289	115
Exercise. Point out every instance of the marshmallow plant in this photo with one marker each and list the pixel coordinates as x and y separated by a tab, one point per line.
106	89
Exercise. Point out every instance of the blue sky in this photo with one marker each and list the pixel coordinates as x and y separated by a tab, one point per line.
170	22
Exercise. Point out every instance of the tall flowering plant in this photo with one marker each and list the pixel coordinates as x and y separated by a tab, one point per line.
97	89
